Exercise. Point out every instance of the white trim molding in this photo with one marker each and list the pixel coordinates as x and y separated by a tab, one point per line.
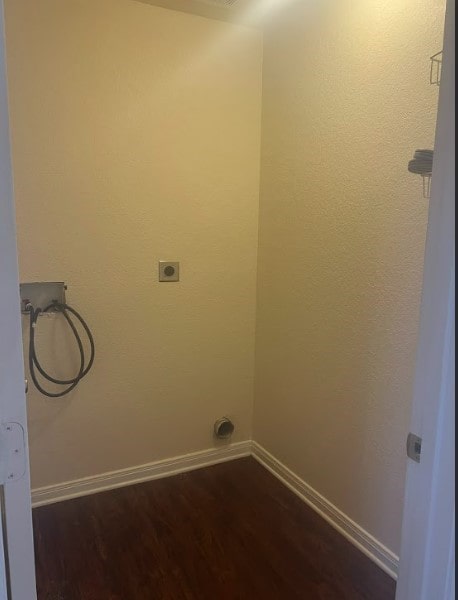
359	537
139	474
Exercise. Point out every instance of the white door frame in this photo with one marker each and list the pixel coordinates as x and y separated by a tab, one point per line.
426	569
17	572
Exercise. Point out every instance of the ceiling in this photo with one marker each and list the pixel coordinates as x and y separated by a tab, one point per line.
235	11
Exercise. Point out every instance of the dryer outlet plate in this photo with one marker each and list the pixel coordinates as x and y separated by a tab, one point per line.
169	270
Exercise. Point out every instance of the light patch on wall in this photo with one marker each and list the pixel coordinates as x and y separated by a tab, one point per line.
250	13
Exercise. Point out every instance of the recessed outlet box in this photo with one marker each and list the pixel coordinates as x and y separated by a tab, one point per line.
169	271
41	294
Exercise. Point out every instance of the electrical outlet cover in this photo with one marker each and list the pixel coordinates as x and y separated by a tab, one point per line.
169	270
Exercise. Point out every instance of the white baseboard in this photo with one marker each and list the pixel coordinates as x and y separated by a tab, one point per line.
363	540
123	477
360	538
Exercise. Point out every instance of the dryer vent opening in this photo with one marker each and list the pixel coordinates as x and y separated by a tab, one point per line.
223	428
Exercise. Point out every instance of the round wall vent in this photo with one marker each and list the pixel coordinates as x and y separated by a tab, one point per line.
223	428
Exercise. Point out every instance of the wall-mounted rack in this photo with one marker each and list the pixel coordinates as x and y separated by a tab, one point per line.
435	68
422	164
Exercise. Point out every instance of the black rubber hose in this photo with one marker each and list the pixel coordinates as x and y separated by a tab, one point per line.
64	308
80	348
33	359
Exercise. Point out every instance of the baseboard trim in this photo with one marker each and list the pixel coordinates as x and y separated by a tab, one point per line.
364	541
360	538
123	477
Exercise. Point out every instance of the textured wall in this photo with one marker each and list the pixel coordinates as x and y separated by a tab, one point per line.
136	137
346	101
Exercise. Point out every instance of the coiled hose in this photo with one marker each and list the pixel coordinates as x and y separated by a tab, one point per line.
33	359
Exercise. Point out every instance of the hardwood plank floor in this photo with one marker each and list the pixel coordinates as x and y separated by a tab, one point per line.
226	532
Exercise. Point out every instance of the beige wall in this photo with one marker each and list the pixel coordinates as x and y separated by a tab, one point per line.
136	135
135	138
346	101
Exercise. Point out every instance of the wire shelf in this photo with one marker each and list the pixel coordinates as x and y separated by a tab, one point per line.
435	68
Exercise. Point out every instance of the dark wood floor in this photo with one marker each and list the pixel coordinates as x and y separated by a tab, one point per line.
227	532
